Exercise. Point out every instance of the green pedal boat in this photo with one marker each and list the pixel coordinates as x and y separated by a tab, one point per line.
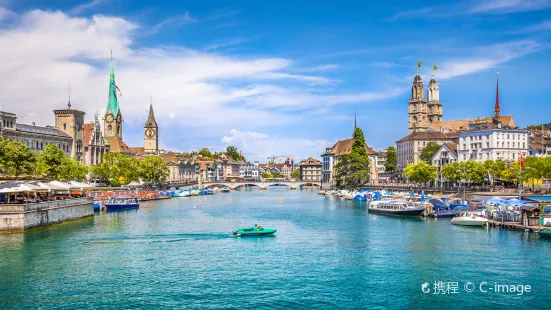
253	231
545	234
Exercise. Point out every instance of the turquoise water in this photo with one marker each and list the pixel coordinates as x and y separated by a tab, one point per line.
327	254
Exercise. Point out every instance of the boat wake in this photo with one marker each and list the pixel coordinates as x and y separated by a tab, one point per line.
162	238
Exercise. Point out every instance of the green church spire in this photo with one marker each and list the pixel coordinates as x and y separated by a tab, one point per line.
112	104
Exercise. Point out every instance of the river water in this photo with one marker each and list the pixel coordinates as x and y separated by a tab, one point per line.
326	254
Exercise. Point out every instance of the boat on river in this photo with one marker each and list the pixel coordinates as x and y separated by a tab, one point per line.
469	219
121	203
254	231
395	208
545	234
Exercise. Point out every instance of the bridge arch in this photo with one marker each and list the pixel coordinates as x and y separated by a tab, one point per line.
241	185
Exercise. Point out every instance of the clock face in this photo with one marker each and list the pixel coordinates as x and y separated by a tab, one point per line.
109	118
150	133
78	127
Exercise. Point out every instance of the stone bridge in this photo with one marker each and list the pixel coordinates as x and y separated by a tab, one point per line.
262	184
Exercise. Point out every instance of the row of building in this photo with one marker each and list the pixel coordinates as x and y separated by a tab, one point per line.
496	137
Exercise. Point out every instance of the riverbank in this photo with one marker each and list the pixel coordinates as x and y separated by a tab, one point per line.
326	254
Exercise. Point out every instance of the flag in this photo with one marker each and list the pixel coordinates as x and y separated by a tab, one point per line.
419	64
522	164
489	177
120	93
434	67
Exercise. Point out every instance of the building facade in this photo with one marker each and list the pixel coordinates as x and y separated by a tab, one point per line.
381	160
94	143
423	113
331	157
447	154
310	170
249	171
492	143
71	122
409	148
36	138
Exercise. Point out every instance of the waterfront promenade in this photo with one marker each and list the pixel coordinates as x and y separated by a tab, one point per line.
327	254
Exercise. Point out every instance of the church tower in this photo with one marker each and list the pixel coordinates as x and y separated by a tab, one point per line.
151	134
417	107
71	122
434	105
113	117
497	107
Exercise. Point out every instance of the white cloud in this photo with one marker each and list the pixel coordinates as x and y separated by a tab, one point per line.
86	6
173	22
4	13
317	68
475	7
509	6
265	145
488	57
544	25
195	93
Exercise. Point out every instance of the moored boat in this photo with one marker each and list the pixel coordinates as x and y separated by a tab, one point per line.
545	234
225	190
184	193
469	220
253	231
395	208
121	203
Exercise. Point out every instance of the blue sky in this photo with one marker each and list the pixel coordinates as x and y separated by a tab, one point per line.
274	78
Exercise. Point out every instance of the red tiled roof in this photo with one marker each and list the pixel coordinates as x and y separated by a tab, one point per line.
88	131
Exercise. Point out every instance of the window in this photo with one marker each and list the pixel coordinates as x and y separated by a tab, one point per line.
64	126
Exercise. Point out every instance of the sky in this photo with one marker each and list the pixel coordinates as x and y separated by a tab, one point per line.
273	78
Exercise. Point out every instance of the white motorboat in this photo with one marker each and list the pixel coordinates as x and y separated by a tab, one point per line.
184	193
321	193
469	220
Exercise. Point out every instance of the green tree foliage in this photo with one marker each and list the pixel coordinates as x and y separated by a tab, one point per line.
538	127
117	169
296	174
353	168
420	172
233	153
153	169
205	152
452	172
428	152
51	161
277	175
16	159
390	163
72	170
267	175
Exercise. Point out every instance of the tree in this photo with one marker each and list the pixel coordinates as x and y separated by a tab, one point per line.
16	158
353	168
72	170
205	152
277	175
429	151
452	172
420	172
153	169
117	169
296	174
50	162
390	163
266	175
233	153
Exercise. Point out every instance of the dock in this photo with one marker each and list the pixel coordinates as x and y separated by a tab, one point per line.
516	226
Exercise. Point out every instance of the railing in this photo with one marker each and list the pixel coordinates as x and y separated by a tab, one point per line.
9	208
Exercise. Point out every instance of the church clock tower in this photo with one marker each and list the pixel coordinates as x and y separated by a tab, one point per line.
417	107
151	134
113	117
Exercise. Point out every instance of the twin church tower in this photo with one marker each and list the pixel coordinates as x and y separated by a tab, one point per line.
113	124
424	113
